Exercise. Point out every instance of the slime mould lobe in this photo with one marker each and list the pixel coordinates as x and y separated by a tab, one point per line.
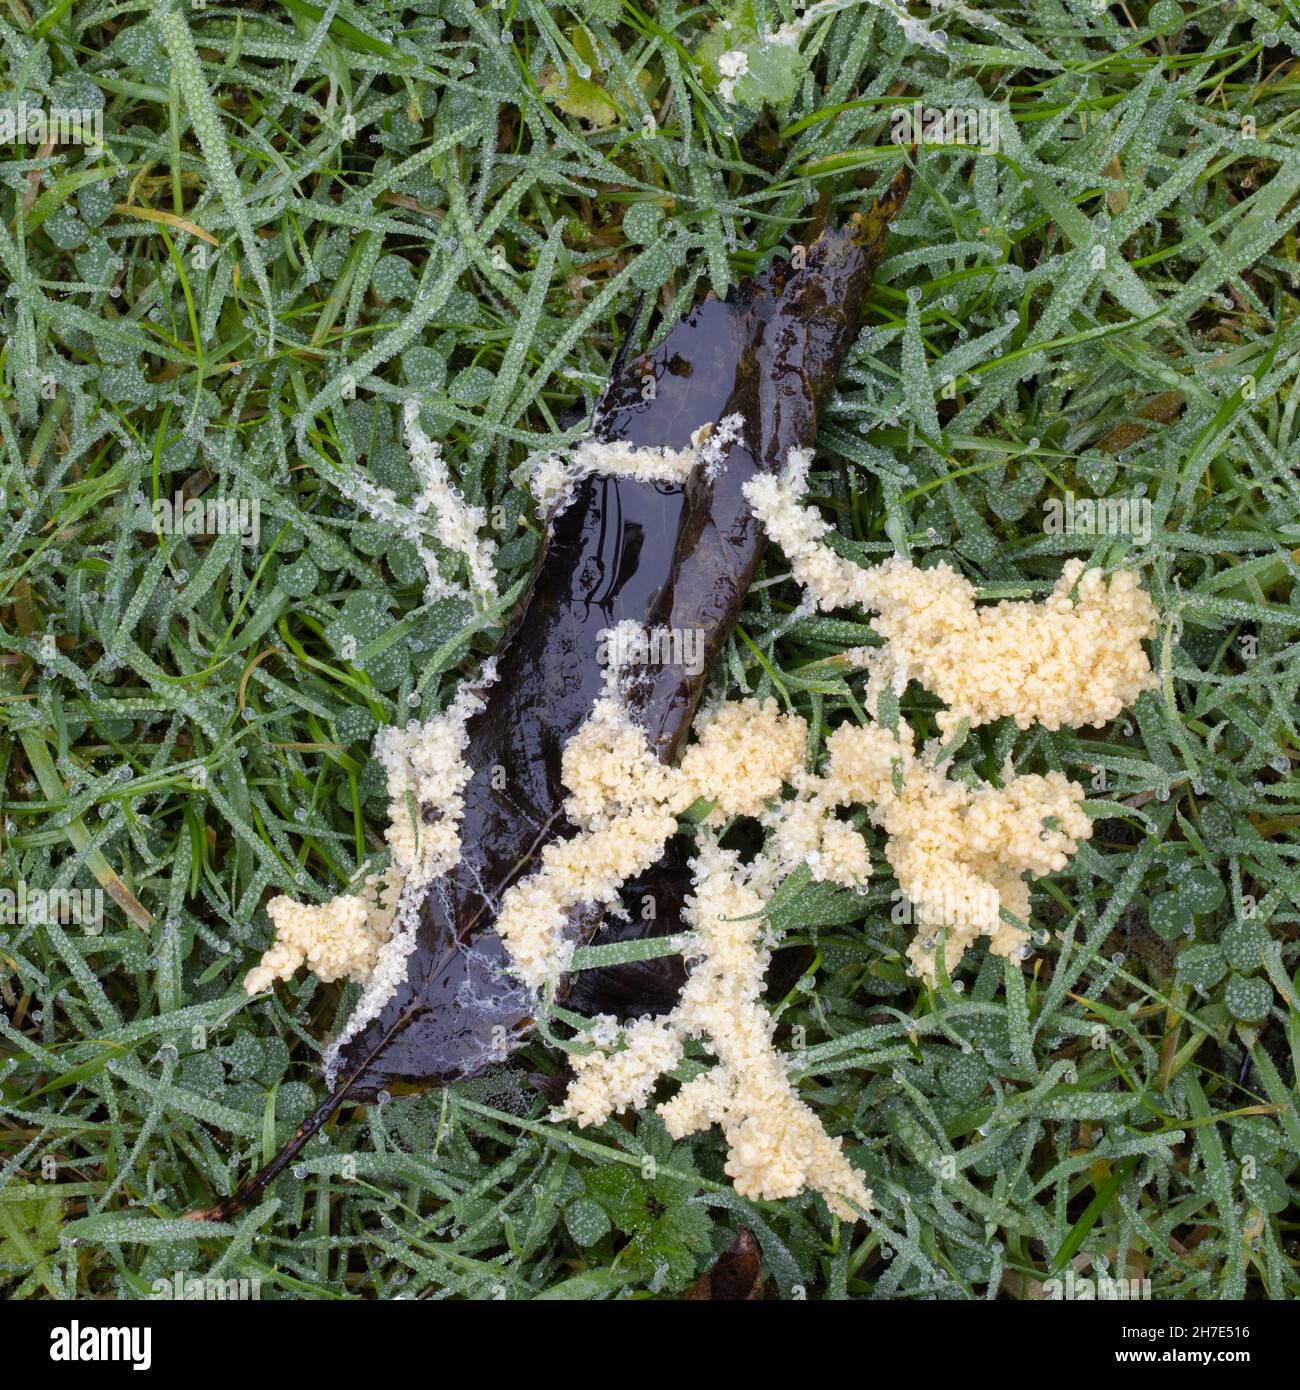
677	556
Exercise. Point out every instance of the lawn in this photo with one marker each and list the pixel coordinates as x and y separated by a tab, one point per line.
302	215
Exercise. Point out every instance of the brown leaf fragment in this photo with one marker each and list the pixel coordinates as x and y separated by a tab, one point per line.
1117	198
736	1276
1161	409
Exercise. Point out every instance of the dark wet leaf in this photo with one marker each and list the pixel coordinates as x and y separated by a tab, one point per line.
736	1276
681	557
676	556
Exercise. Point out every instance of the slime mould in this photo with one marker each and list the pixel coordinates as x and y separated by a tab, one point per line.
663	555
679	556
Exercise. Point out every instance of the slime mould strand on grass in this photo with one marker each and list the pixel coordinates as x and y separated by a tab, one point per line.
674	556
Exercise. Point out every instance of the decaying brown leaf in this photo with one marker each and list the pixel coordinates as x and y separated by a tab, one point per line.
674	556
736	1276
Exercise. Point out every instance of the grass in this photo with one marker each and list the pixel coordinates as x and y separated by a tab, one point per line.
302	215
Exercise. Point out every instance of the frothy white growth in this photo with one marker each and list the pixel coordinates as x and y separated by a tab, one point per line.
711	443
623	1073
805	832
457	524
555	477
791	35
947	842
661	465
337	939
625	802
424	766
732	66
829	578
590	868
914	30
1065	661
374	932
777	1144
553	483
744	753
959	852
619	795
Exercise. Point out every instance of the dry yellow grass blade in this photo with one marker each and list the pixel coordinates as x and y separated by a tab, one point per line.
168	219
